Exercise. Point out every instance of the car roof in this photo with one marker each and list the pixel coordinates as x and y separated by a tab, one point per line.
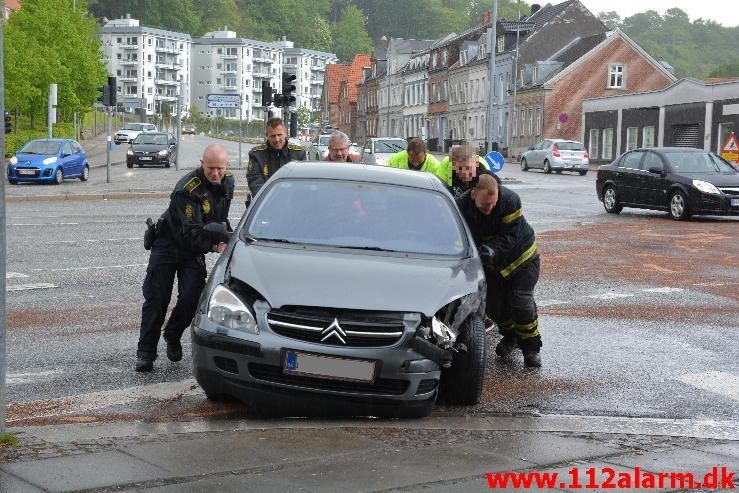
52	140
360	172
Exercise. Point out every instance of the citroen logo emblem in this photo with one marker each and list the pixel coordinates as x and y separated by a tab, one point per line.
334	330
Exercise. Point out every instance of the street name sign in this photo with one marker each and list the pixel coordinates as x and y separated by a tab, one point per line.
222	104
225	98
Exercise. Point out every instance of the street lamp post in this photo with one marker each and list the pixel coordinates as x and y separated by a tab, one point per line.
491	79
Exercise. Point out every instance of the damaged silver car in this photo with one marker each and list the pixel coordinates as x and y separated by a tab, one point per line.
348	290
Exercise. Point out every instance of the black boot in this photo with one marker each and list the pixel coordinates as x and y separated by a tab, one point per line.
174	350
144	365
530	349
506	345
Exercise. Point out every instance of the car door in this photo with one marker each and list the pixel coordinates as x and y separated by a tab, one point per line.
69	160
652	185
629	175
541	151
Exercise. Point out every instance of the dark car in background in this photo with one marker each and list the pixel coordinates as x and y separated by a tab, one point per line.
681	181
48	161
152	148
327	300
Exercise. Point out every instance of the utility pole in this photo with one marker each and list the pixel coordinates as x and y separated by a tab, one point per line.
108	142
3	251
241	99
492	133
179	126
51	118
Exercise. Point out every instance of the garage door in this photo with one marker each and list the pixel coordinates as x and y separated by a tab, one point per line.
686	135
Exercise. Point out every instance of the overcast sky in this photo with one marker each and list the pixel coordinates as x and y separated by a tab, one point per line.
724	12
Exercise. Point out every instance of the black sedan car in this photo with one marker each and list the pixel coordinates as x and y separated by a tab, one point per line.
329	300
152	148
681	181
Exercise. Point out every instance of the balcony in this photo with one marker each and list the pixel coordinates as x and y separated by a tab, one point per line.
165	97
321	68
167	82
168	65
263	59
129	63
166	49
128	78
228	56
230	88
128	46
261	75
229	72
290	65
316	81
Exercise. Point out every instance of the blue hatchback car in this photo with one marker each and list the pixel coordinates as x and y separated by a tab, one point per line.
49	160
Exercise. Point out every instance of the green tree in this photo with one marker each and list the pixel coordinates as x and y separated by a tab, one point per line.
305	118
726	70
350	36
610	19
47	42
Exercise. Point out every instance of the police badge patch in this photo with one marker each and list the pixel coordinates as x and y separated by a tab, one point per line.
206	207
188	211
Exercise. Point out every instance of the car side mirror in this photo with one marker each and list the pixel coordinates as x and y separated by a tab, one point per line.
656	170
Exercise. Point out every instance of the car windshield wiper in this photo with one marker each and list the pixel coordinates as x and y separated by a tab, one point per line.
276	240
372	248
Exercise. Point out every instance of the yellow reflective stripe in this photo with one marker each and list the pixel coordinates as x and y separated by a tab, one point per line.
530	251
512	216
529	328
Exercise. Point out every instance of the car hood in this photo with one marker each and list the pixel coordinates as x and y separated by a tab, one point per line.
726	180
128	132
148	147
32	159
286	275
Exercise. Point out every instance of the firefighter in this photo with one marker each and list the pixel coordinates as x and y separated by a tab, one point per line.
265	159
414	157
201	197
507	247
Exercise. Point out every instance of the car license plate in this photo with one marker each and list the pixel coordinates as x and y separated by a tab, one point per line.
315	365
735	202
145	158
31	172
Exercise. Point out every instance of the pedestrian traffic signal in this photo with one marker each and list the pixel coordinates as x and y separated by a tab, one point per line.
266	93
288	88
111	91
8	123
104	97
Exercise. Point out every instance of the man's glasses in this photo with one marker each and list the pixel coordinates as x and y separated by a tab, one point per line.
338	149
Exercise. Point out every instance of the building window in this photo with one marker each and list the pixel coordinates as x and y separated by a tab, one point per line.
608	143
514	125
632	135
593	144
648	137
615	76
538	121
501	44
531	122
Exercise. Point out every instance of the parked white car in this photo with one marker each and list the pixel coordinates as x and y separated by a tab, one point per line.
556	155
130	131
377	150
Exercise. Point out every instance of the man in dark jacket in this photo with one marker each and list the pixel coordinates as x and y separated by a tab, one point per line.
265	159
461	168
200	197
507	247
338	148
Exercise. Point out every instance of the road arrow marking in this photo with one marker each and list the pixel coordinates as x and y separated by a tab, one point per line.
717	382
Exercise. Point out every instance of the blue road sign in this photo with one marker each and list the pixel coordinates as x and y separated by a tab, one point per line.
495	160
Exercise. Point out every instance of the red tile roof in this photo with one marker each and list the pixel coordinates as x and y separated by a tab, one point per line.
335	73
354	75
13	4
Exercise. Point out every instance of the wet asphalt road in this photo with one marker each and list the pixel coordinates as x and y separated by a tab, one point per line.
620	338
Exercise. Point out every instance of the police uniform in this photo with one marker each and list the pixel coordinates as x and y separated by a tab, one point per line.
179	249
514	270
264	161
445	172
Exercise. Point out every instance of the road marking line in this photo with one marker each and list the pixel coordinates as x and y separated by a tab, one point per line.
26	287
96	241
663	290
717	382
125	266
610	296
36	376
551	302
82	403
14	275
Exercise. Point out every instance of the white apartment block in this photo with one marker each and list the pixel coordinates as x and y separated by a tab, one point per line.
223	63
309	67
151	65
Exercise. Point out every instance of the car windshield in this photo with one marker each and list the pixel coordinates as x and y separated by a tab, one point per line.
151	139
570	146
40	147
358	215
132	126
698	162
323	140
390	146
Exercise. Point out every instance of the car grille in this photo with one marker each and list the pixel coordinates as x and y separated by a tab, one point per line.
343	328
733	191
379	386
27	172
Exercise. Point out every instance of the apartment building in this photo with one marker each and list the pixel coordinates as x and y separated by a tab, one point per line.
152	66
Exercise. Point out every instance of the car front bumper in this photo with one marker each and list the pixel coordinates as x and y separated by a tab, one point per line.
252	368
41	174
147	160
718	205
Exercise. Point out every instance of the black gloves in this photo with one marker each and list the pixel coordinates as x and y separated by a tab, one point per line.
486	254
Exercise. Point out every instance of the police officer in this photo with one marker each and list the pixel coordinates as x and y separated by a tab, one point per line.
265	159
461	169
507	247
200	197
414	157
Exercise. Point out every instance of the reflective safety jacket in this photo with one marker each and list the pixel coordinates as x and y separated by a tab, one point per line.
505	230
457	187
400	160
264	161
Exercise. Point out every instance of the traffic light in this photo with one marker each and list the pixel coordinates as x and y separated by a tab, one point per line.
104	97
266	93
111	91
8	123
288	88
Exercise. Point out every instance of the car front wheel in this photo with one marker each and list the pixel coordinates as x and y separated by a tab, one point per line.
610	200
58	176
85	174
462	383
679	206
524	165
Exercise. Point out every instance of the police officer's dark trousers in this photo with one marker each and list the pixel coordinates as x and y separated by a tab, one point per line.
511	305
164	263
